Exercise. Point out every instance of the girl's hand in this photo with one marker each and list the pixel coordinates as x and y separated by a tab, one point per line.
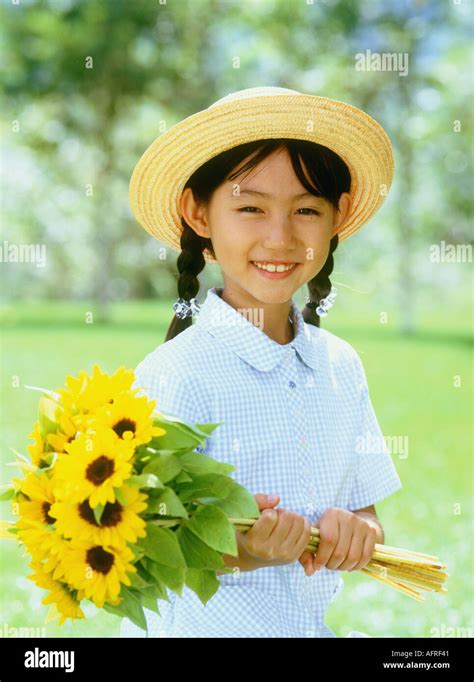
278	536
347	542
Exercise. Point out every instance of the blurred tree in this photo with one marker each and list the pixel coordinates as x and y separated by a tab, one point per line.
89	84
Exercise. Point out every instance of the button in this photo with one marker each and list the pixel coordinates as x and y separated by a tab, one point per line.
291	384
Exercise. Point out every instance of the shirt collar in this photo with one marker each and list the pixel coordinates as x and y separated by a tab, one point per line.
248	341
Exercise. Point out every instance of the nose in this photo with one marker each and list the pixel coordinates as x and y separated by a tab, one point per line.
279	236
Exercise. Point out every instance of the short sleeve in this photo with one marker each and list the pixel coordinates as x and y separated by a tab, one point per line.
376	476
175	395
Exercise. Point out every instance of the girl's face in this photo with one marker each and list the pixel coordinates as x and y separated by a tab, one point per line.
266	216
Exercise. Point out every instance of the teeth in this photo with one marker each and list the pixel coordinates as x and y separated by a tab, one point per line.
274	268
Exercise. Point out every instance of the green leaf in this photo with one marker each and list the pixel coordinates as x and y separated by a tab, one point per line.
195	431
213	527
156	591
138	582
239	503
208	428
209	500
155	588
120	496
183	477
207	485
49	415
179	435
196	552
149	601
167	503
48	460
145	481
164	465
130	607
161	545
175	438
204	583
138	551
173	578
7	495
197	464
98	511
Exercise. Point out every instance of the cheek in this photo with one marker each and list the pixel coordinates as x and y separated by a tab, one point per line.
317	243
231	240
315	257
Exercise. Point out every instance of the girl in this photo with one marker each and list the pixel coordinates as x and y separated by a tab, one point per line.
266	182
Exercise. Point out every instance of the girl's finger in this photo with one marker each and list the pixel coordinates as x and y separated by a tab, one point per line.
266	501
354	553
306	560
303	536
328	538
264	526
367	551
341	549
282	533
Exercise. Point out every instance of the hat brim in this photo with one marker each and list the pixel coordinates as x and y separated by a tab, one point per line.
161	173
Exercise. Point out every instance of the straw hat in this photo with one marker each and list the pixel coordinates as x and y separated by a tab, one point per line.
161	173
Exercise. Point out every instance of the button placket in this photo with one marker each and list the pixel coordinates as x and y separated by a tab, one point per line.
304	491
296	394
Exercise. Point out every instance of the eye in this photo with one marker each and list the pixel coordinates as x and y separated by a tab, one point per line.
252	209
313	211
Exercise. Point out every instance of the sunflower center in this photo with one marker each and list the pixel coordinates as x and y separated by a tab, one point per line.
124	425
111	516
100	470
100	560
45	509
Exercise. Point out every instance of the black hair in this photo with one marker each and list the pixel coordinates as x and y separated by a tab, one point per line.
329	177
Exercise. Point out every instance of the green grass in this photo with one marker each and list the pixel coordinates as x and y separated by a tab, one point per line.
411	382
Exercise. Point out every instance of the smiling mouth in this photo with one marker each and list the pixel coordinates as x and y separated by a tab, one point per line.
274	267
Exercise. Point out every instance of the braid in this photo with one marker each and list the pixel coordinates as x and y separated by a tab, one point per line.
190	263
320	286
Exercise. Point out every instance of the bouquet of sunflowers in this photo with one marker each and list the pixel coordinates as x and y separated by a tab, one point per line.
106	480
116	506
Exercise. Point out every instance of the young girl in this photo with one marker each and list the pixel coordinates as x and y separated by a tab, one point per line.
266	182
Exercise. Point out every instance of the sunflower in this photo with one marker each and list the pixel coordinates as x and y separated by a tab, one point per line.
69	426
65	599
86	393
38	449
130	417
96	463
119	523
36	528
97	571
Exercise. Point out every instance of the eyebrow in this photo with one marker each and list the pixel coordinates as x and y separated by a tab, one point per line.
271	196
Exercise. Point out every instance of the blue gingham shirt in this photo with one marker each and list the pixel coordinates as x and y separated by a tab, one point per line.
297	422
